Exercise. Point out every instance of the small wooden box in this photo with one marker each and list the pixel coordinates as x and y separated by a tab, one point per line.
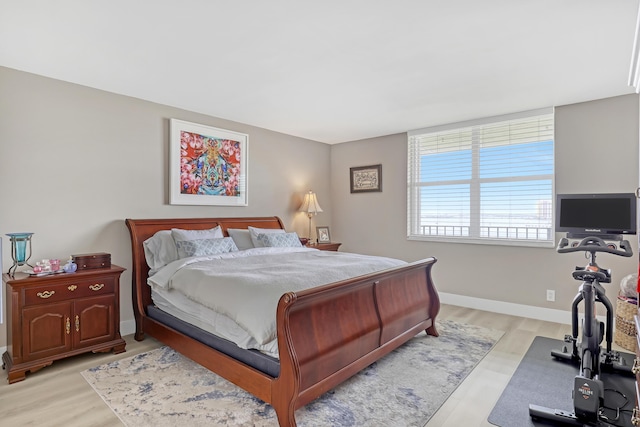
95	260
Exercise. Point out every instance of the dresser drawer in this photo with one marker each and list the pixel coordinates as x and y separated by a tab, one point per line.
71	289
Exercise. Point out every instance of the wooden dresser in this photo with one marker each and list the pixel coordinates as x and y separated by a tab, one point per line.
60	315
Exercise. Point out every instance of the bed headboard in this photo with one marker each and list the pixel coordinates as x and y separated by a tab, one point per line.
141	229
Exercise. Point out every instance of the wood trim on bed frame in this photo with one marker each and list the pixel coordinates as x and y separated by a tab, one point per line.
325	334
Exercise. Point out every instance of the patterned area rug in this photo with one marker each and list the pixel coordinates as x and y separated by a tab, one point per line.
405	388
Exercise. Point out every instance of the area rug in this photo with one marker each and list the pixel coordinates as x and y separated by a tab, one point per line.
405	388
541	380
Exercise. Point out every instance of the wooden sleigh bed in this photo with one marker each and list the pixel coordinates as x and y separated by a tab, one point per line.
324	335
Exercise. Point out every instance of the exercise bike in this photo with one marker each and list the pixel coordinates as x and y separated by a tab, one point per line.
588	388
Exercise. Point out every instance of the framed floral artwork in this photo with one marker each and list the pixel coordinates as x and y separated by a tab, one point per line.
366	178
208	166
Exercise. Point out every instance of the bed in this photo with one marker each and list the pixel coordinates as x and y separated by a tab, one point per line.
324	335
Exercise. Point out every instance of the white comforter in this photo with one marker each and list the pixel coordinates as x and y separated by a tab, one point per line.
246	285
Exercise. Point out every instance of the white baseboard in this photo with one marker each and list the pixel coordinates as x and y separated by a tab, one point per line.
127	327
520	310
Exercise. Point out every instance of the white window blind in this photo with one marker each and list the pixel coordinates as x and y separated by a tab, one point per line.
489	181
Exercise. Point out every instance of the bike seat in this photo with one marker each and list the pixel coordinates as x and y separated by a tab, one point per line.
590	276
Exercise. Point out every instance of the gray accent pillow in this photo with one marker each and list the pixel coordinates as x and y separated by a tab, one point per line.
202	247
280	240
254	231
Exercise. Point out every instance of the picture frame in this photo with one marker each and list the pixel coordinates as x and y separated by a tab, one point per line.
208	165
323	234
365	179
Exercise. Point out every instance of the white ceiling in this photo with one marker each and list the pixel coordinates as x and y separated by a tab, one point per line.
330	70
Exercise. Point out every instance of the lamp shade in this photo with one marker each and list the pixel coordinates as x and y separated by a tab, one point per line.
310	204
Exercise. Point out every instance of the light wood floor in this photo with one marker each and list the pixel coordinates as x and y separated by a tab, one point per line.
59	396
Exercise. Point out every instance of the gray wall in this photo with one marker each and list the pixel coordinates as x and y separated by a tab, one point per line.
596	151
75	162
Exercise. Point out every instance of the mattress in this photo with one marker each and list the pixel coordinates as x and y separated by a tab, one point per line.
253	358
244	287
179	306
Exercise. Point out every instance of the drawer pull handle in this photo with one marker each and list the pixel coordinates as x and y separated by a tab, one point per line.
68	326
636	366
96	287
77	323
72	287
46	294
635	417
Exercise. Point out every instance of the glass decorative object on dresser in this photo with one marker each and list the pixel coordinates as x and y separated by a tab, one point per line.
70	266
19	243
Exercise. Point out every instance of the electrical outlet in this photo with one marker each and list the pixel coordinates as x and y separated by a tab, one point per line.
551	295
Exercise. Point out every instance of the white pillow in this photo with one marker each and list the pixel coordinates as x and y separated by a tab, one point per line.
253	232
179	234
241	238
202	247
280	240
159	250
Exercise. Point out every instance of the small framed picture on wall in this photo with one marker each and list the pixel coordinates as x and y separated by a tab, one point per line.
323	235
366	179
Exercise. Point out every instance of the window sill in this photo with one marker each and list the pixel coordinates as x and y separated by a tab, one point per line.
494	242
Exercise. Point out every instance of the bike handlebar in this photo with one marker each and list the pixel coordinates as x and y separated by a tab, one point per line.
595	244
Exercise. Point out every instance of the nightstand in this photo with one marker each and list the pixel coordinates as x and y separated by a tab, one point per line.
60	315
332	246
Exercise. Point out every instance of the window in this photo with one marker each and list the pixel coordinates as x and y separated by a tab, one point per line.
488	181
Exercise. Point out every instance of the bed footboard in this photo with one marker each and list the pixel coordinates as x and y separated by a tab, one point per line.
328	334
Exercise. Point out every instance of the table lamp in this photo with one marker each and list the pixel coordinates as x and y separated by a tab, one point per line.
311	207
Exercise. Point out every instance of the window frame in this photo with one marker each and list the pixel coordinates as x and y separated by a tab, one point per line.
475	182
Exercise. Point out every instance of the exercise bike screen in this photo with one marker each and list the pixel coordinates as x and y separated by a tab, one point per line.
597	214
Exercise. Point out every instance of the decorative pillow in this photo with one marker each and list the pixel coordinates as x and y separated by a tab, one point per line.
253	231
159	250
179	234
241	238
280	240
201	247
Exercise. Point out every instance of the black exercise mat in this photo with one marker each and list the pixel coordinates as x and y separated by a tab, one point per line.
542	380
